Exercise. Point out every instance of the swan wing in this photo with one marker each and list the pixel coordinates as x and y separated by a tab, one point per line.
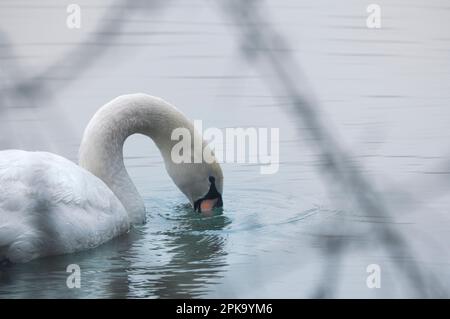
50	206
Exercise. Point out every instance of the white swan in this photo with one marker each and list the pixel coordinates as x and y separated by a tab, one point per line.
50	206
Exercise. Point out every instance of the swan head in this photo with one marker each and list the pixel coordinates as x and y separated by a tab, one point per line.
201	183
211	199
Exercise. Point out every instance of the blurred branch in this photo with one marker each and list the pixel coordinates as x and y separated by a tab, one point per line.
35	91
268	50
84	55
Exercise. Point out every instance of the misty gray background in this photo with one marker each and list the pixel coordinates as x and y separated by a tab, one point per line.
383	94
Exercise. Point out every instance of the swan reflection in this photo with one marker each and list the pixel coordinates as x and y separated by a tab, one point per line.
177	254
194	258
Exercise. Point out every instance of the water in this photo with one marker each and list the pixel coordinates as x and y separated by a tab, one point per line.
383	93
178	253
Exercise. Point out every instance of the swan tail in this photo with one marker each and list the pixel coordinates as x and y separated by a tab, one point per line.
14	249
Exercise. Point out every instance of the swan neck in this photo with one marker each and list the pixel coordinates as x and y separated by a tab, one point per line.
101	150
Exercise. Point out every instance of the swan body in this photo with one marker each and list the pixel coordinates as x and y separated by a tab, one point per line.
49	205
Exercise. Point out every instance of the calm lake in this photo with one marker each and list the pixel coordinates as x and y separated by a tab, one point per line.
384	94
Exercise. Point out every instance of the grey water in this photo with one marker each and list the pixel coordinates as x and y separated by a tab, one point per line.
383	93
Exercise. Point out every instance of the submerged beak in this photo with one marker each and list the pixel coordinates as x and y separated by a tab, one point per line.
207	205
209	201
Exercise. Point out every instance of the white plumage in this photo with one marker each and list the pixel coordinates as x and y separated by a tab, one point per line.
51	206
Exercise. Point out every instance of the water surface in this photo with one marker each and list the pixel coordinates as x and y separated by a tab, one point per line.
383	93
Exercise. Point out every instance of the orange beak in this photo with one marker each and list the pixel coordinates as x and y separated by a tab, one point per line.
207	205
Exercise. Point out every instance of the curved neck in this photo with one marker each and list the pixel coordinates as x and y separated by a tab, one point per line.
101	150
